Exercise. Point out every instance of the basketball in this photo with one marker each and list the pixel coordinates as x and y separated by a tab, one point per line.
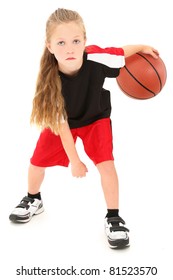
143	76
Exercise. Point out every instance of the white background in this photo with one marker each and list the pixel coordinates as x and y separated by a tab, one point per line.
70	231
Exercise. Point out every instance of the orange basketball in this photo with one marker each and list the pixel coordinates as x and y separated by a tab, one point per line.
143	76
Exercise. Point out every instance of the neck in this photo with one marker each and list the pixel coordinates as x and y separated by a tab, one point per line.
70	71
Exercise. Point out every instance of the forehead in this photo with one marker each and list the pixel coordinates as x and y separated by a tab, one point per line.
64	30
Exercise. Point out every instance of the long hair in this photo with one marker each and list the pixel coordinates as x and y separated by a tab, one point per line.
48	109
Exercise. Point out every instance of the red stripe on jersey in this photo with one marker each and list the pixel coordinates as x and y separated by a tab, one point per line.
111	50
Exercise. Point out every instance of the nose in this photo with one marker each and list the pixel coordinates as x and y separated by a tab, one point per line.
69	49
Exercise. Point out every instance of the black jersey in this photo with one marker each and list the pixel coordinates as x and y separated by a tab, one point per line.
85	98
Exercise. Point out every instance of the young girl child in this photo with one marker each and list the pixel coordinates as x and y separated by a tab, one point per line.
70	102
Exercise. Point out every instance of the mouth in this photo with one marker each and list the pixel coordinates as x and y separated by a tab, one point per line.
70	58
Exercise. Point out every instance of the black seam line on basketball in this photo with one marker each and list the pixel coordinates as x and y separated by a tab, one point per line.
132	95
153	68
138	81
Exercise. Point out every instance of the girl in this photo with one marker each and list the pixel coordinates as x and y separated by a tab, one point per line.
70	102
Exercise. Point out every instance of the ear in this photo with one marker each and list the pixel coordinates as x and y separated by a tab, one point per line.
49	47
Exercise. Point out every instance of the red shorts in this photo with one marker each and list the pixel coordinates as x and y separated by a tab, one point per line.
96	138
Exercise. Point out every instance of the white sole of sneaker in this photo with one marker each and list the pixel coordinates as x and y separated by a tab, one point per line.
24	219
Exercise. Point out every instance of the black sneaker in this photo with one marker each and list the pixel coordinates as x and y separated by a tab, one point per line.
116	233
26	209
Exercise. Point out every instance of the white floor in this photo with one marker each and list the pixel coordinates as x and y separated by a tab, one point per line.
71	230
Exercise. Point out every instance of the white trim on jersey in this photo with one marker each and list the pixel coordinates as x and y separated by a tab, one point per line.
110	60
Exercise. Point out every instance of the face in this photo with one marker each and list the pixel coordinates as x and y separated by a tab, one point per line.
67	43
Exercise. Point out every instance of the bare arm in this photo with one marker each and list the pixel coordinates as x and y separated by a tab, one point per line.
78	168
132	49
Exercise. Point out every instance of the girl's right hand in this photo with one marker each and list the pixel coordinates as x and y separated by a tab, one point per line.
78	169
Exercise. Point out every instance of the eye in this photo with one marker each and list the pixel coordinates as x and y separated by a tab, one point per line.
76	41
61	43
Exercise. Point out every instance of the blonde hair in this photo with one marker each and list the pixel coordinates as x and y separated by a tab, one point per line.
48	103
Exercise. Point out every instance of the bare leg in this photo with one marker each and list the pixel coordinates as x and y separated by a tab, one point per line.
117	237
35	178
109	182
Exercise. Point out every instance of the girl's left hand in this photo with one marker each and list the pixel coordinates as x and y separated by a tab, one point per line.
150	50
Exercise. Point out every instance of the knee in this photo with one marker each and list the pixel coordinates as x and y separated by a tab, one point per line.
37	169
106	167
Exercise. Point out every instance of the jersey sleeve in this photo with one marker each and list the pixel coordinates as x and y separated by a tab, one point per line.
111	58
